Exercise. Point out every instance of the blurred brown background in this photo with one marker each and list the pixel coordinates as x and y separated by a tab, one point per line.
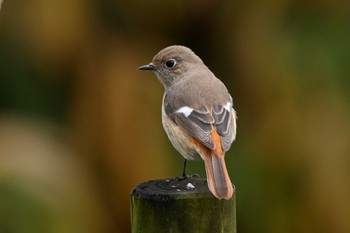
80	126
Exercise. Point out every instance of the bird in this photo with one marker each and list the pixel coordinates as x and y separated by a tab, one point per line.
197	113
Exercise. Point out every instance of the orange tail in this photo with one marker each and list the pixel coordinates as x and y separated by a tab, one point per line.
219	182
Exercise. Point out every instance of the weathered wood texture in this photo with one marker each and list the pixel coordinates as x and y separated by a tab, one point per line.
180	206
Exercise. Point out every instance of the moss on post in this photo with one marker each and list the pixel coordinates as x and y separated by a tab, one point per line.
180	206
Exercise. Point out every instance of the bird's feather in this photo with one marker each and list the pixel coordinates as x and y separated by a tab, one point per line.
199	122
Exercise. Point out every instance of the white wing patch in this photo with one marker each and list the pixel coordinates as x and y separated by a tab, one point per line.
185	110
228	106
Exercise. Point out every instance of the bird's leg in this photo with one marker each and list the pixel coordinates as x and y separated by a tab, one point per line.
184	169
184	175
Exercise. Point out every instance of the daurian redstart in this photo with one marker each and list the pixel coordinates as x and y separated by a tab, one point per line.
197	113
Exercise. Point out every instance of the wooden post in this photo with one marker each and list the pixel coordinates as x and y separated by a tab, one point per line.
180	206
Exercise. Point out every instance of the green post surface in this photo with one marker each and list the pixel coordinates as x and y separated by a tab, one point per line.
180	206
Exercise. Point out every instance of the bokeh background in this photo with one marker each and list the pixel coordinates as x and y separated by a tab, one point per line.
80	126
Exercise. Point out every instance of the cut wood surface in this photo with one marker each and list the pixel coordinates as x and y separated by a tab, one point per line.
180	205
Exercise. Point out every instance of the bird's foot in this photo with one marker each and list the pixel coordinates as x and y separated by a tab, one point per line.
186	177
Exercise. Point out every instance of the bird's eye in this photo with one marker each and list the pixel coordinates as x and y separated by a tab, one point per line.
170	63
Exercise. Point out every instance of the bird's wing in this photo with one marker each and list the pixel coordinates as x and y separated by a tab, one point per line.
200	122
225	123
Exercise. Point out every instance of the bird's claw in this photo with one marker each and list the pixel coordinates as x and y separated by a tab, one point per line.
186	177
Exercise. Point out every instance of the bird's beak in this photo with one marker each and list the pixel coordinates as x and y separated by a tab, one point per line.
146	67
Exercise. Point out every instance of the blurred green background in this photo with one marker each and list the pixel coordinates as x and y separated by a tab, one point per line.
80	126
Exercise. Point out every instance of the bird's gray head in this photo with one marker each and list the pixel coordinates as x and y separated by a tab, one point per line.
172	63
